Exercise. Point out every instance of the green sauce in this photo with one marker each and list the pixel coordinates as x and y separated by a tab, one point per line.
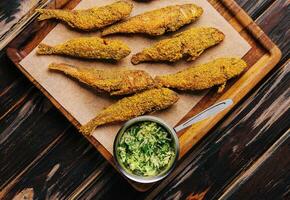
145	149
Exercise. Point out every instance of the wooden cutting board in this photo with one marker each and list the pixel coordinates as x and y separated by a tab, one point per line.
261	58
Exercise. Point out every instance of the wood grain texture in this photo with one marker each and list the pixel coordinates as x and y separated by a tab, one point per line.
255	8
268	177
8	73
13	95
57	172
11	12
263	53
23	131
103	182
14	16
279	34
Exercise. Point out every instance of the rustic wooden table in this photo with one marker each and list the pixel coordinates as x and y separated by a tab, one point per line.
246	156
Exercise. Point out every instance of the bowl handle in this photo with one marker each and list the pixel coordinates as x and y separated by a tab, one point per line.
213	110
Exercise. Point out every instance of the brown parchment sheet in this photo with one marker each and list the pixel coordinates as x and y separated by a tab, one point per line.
83	103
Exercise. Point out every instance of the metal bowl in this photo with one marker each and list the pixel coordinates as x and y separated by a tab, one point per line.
165	172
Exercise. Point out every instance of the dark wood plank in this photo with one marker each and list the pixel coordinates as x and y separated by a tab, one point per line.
107	185
26	132
8	73
255	8
279	14
14	15
268	177
14	95
59	171
14	87
10	14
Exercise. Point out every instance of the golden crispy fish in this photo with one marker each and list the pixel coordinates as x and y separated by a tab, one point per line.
88	47
133	106
89	19
204	76
191	44
157	22
115	82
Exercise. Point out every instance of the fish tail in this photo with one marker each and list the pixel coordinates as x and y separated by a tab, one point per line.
58	67
45	49
88	128
45	14
65	68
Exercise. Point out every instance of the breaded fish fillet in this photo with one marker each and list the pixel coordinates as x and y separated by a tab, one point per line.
90	19
159	21
204	76
191	44
88	47
115	82
133	106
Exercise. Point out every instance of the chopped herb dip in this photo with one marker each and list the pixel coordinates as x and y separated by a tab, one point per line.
146	149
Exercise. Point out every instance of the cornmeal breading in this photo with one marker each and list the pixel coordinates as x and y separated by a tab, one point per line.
204	76
115	82
130	107
159	21
90	19
191	44
88	47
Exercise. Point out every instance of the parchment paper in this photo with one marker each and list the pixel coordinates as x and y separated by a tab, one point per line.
83	103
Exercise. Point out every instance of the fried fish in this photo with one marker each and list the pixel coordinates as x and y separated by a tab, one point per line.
88	47
157	22
133	106
89	19
204	76
114	82
191	44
